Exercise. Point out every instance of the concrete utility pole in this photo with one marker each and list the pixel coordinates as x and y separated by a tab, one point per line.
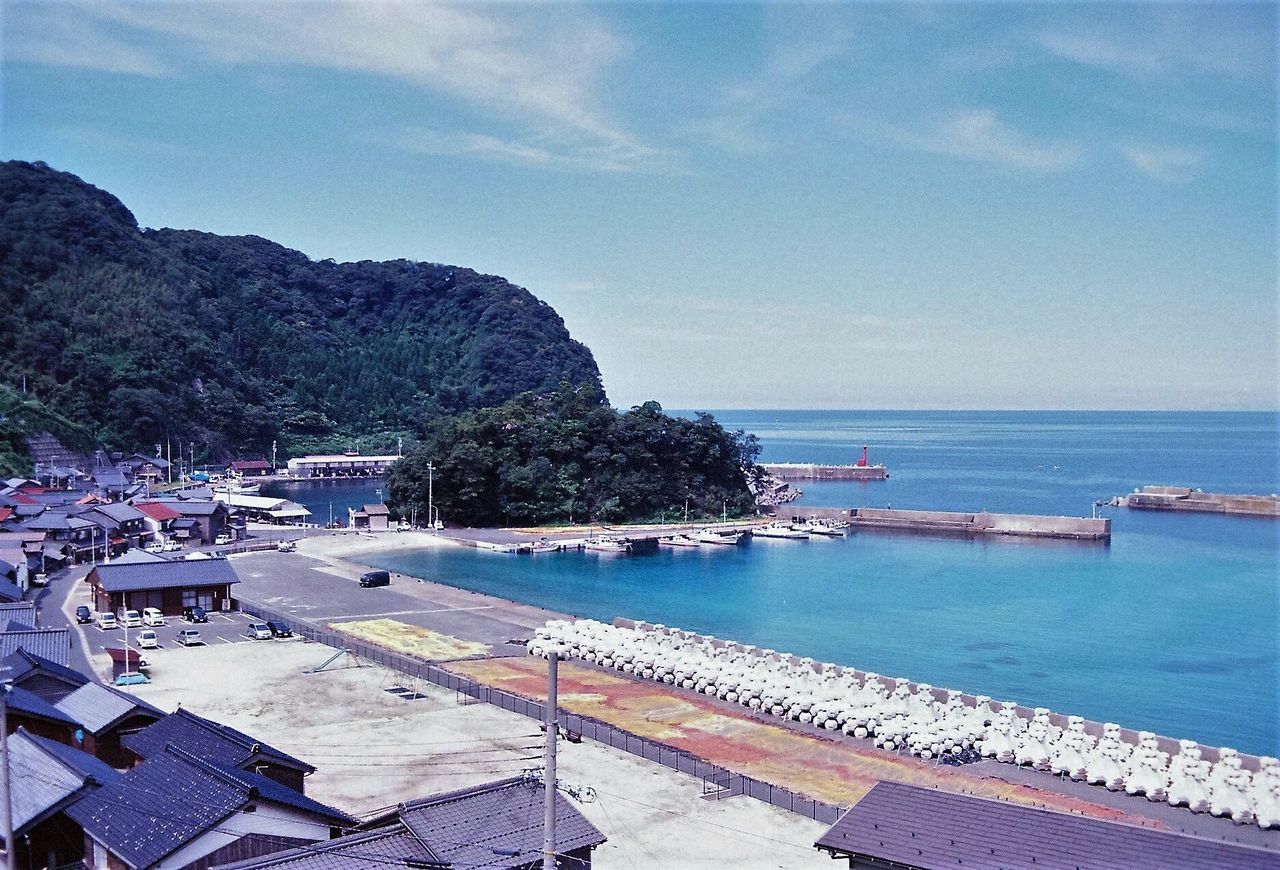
549	774
431	492
6	798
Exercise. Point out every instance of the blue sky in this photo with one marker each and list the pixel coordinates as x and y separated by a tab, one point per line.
733	205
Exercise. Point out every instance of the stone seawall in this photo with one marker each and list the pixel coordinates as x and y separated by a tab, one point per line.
1180	498
949	522
810	471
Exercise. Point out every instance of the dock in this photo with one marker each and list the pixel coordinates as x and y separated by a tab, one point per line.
810	471
981	523
1181	498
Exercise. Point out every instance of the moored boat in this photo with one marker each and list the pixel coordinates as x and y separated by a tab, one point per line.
677	541
607	545
711	536
779	530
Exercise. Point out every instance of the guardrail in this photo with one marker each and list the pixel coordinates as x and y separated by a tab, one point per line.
726	781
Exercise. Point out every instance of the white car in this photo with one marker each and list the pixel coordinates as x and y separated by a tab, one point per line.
154	547
131	619
189	637
258	631
170	546
224	538
148	639
107	621
152	616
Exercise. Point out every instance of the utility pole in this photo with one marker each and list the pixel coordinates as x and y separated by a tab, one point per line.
431	493
549	763
6	796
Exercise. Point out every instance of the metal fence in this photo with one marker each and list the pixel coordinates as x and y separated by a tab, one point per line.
718	782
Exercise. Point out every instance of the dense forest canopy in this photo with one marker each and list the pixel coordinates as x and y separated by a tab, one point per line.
552	457
231	343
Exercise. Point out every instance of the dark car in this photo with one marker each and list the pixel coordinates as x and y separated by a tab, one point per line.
84	615
279	629
194	614
375	578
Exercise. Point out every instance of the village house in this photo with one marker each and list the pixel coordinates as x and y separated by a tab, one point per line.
25	709
144	469
168	585
374	517
53	644
105	716
250	468
40	676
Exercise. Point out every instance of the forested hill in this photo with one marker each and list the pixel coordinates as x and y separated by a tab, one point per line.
233	342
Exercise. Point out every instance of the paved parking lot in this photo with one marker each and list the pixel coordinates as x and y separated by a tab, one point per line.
220	629
322	593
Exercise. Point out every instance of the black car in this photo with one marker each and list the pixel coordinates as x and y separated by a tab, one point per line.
84	615
375	578
194	614
279	629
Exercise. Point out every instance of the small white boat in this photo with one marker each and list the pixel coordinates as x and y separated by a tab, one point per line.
677	541
827	531
779	530
711	536
546	547
607	545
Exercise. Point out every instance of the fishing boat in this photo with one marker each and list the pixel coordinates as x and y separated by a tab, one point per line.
828	530
779	530
546	547
711	536
677	541
607	545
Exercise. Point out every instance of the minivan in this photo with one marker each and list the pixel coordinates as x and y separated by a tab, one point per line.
152	616
148	639
130	619
375	578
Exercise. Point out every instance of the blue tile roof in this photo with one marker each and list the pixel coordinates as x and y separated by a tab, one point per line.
45	784
175	574
97	707
23	701
171	799
9	591
78	760
53	644
22	663
207	740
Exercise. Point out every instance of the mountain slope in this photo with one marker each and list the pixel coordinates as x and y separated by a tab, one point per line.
233	342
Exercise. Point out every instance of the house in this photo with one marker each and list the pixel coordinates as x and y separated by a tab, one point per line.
250	468
53	644
177	810
124	523
374	517
40	676
77	539
149	469
168	585
53	777
158	517
110	482
220	744
198	521
497	826
9	591
26	547
105	717
902	827
28	710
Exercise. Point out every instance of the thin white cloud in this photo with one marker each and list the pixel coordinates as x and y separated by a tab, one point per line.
1099	50
574	153
95	137
536	67
1163	162
978	135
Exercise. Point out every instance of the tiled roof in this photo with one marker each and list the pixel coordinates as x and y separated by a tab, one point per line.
53	644
208	740
21	663
78	760
183	573
119	511
45	784
465	828
171	799
9	591
197	508
157	510
926	828
505	815
97	707
249	464
30	703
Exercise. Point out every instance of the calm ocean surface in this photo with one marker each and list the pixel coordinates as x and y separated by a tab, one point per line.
1172	628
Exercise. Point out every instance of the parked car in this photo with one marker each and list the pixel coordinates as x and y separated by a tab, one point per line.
258	631
375	578
224	538
171	545
279	629
107	621
194	614
287	546
84	615
152	616
189	637
131	619
148	639
154	547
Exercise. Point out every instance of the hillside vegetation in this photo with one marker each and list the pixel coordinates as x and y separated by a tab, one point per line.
233	342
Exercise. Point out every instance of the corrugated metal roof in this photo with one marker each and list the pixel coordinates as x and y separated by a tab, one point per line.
171	799
53	644
932	829
173	574
207	740
97	707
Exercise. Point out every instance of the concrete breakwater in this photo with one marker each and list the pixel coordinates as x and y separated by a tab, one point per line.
955	523
1181	498
810	471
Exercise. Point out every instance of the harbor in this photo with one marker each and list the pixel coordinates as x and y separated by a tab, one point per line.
982	523
1182	498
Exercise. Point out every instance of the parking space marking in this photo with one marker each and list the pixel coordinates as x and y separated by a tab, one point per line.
403	612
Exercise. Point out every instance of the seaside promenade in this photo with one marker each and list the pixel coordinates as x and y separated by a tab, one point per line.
478	639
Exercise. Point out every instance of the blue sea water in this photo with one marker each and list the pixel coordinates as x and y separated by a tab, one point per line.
1173	627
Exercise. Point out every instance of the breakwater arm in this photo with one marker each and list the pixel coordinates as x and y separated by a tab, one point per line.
1181	498
810	471
956	523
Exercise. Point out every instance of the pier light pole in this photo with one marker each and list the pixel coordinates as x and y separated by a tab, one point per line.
549	763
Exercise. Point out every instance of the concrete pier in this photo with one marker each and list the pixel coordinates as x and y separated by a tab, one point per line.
953	523
1181	498
810	471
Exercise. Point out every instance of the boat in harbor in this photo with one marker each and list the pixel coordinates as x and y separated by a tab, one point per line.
534	547
678	541
612	546
824	529
779	530
712	536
